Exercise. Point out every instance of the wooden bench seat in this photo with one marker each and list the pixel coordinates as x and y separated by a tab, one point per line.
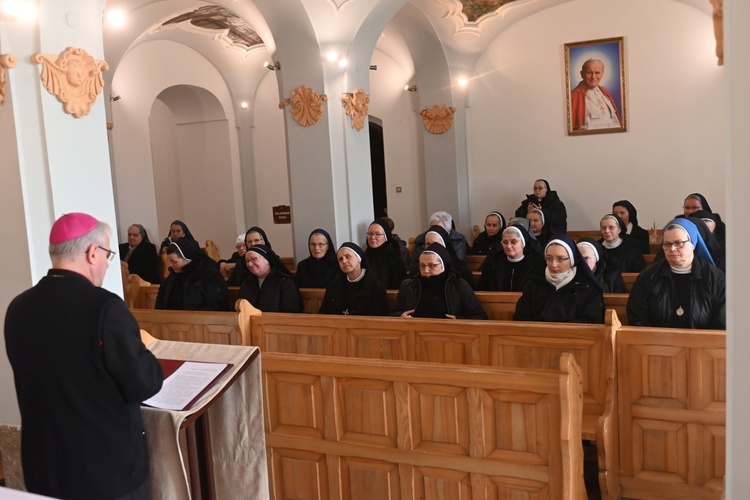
362	428
672	412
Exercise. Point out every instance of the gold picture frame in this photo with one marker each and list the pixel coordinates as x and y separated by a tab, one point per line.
595	86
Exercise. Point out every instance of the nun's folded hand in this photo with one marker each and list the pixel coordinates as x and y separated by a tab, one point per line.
407	314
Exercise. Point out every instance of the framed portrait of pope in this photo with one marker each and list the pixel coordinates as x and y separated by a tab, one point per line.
595	86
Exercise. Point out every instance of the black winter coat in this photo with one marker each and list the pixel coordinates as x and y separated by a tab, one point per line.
501	275
555	214
81	372
460	299
143	261
627	257
315	273
204	288
580	301
386	264
652	300
610	278
366	297
279	293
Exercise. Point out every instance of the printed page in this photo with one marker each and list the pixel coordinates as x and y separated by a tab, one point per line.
184	385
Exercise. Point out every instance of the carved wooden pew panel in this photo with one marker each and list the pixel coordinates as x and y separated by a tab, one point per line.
672	412
351	429
208	327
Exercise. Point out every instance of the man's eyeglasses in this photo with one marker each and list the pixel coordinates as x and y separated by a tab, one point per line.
110	253
667	245
559	260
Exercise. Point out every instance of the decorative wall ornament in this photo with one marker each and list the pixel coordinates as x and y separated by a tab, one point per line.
307	105
356	105
718	7
438	119
6	61
74	77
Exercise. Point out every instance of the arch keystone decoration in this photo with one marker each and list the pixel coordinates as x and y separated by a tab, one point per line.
438	119
306	105
356	106
6	61
74	77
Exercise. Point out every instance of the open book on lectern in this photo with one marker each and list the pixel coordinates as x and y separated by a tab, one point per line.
185	382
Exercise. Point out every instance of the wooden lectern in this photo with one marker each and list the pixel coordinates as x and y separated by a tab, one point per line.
224	435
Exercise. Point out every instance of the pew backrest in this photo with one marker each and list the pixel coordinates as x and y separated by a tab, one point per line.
360	428
672	412
467	342
207	327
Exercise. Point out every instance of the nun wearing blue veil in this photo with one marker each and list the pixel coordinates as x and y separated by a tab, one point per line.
685	289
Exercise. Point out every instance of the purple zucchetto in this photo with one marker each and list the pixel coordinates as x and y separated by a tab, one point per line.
71	226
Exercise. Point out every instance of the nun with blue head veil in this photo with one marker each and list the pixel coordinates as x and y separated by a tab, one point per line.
683	290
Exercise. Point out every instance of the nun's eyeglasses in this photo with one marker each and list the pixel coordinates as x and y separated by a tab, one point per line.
667	245
559	260
377	235
431	267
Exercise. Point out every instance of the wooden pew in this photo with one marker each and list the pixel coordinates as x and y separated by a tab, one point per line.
207	327
629	279
498	305
357	428
512	345
470	342
672	412
577	235
473	262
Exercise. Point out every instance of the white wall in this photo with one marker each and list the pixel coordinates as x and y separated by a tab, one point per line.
168	65
674	90
403	163
271	171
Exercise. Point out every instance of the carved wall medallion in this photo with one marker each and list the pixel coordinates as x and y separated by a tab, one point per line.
356	105
307	105
438	119
6	61
74	77
718	7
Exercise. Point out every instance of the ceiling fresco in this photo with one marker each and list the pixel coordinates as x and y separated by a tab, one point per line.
474	9
213	17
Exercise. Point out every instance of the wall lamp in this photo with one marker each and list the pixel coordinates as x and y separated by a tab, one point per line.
410	88
272	67
114	98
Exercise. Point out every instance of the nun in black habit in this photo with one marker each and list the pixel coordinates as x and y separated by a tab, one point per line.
629	215
319	269
437	292
270	286
384	254
609	277
567	292
354	290
509	269
253	236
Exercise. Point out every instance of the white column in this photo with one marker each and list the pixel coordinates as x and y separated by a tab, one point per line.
737	107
